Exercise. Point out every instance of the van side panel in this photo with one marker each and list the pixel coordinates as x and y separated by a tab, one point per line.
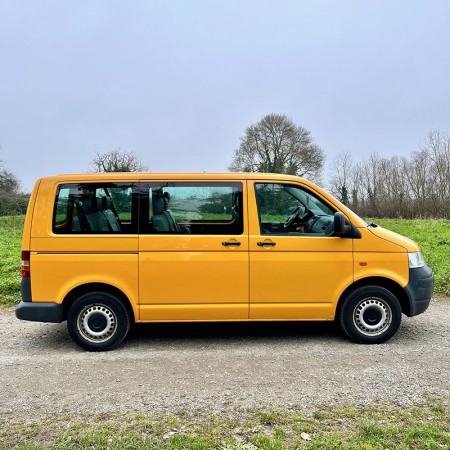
60	263
393	266
377	257
85	244
43	209
369	242
76	269
28	218
299	284
194	284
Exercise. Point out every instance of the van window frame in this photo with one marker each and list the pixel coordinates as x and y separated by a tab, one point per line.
187	226
317	223
130	228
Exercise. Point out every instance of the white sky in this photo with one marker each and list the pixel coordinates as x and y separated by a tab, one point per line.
178	82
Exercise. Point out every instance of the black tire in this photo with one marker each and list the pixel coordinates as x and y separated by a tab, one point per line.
98	321
370	315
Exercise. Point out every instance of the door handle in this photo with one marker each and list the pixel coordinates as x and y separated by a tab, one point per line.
231	243
266	244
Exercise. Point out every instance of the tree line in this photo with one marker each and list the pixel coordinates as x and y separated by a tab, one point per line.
414	186
12	199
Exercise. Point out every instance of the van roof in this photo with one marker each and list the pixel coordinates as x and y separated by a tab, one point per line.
174	175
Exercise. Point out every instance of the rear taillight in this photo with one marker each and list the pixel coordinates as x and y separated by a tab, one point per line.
25	264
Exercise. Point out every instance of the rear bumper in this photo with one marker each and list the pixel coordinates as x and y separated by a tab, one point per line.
419	289
39	312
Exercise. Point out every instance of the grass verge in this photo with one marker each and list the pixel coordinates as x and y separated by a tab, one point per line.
10	243
375	427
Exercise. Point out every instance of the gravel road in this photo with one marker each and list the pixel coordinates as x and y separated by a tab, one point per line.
219	367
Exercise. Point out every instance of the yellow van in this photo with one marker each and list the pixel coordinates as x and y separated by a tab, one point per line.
104	250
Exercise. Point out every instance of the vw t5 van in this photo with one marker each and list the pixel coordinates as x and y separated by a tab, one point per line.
105	250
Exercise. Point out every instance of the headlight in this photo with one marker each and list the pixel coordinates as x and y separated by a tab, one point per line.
415	260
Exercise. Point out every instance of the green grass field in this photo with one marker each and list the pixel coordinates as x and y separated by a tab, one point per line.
432	235
10	271
375	427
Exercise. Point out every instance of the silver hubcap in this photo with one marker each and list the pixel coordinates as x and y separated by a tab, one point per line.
372	316
97	323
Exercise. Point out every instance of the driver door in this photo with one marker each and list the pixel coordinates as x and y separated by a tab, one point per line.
298	271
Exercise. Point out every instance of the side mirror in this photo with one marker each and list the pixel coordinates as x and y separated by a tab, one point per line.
341	228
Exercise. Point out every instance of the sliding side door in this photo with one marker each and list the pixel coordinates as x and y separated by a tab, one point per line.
193	251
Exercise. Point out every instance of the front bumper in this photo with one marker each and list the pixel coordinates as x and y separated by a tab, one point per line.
419	289
40	312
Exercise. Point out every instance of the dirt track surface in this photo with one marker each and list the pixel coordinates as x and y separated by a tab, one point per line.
219	367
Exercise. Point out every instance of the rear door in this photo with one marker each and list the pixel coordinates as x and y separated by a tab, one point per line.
193	251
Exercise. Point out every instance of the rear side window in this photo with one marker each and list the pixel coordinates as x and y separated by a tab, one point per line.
106	208
192	208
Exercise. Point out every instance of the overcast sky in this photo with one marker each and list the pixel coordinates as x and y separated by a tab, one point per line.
178	82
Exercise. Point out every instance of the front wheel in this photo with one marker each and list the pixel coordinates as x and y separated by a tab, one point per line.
370	315
98	321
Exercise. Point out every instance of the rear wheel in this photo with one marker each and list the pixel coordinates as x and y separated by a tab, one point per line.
370	315
98	321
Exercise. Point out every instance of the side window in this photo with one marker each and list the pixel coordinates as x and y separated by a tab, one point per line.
121	197
286	209
194	208
61	207
95	209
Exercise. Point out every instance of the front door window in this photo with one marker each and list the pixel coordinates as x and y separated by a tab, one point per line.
285	209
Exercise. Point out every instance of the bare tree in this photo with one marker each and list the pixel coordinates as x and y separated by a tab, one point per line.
277	144
117	161
414	186
342	178
437	150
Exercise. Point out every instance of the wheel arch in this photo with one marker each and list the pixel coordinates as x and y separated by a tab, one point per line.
386	283
78	291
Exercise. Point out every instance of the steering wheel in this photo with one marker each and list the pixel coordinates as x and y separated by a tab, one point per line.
298	212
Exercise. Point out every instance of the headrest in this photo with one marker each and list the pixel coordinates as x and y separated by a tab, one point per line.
159	205
85	205
106	202
98	203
